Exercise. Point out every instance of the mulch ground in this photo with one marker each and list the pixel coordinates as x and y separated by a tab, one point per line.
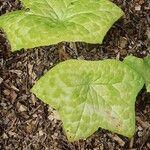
26	123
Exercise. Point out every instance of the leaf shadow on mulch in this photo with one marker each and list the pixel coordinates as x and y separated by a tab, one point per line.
27	123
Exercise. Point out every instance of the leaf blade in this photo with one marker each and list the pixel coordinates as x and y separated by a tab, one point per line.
142	66
53	21
88	96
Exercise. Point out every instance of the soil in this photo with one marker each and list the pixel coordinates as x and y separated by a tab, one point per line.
26	123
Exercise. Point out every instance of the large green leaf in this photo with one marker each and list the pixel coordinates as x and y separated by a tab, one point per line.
92	94
142	66
52	21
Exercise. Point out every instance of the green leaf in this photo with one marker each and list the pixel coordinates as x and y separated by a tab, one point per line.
51	21
142	66
92	94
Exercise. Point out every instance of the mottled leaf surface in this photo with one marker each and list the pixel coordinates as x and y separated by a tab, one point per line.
51	21
92	94
142	66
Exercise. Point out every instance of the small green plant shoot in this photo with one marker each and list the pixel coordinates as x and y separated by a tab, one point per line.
45	22
93	94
